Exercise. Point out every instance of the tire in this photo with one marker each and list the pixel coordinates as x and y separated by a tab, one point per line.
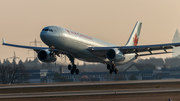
77	71
69	67
111	71
74	67
113	66
116	71
72	71
108	66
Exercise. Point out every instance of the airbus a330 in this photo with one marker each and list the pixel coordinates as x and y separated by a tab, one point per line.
83	47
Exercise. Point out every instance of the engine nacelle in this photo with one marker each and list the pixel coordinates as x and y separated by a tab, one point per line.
44	56
114	55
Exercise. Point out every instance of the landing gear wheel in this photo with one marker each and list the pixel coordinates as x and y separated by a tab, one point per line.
111	71
52	54
116	71
108	66
72	71
74	67
77	71
113	66
69	67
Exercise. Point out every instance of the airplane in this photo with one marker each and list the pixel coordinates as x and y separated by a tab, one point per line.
86	48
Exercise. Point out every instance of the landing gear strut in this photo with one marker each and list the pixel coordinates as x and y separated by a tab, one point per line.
72	67
52	54
112	68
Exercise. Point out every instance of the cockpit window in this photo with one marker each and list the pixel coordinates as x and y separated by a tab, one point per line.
47	30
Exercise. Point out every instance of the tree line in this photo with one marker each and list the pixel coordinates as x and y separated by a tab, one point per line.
12	73
167	62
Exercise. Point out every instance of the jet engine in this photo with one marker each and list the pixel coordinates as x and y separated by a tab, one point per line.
114	55
45	56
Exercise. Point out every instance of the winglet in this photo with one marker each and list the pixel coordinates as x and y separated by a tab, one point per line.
4	40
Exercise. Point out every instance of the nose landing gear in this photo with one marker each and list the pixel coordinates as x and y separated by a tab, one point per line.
52	54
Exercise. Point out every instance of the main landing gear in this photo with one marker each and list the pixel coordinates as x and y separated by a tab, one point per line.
112	68
72	67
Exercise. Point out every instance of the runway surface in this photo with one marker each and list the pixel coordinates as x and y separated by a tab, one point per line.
86	83
80	93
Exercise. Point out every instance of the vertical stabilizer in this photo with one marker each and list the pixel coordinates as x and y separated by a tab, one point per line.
133	39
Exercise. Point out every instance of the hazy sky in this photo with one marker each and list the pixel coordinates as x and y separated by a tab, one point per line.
21	21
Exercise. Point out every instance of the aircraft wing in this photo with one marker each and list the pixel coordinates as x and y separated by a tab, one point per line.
21	46
136	49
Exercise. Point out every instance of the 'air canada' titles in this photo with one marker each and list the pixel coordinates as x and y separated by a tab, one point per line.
78	34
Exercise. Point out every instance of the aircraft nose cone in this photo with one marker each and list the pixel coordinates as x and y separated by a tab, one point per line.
45	37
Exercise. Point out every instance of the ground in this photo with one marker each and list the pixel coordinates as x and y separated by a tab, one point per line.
126	97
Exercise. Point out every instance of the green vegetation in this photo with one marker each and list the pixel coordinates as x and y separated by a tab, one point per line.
157	86
59	78
133	77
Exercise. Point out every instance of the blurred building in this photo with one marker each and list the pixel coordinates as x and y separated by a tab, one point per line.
133	72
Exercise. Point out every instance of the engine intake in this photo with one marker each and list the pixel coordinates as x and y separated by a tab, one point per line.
114	55
44	56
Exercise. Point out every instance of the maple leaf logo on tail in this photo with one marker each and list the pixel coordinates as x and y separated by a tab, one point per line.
134	37
135	40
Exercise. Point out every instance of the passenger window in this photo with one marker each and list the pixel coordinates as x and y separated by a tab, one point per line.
51	30
54	30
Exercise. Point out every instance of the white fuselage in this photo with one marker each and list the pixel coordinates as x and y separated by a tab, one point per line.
74	43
